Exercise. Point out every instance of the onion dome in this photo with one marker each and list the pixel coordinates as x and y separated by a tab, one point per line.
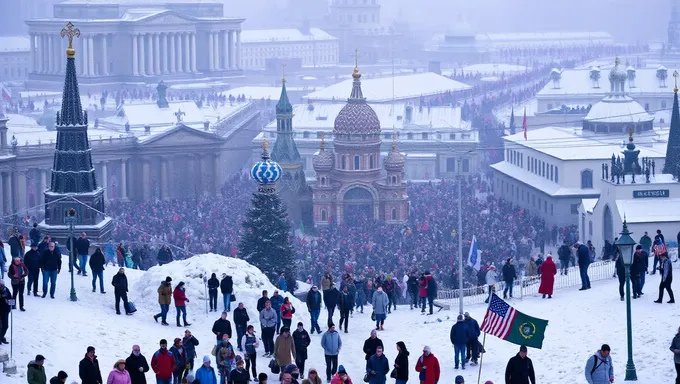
323	161
394	162
266	171
356	117
617	74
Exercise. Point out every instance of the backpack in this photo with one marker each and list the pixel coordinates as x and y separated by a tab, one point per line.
595	364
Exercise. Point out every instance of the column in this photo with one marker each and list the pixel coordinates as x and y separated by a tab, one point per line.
36	53
217	174
237	51
135	58
146	180
187	57
216	49
83	55
31	40
55	58
164	53
157	54
105	180
90	53
193	52
41	52
164	179
149	54
180	67
3	197
230	52
172	46
50	56
105	56
123	179
20	190
43	185
142	54
211	51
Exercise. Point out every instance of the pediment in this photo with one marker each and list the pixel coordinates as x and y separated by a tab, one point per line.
168	17
182	136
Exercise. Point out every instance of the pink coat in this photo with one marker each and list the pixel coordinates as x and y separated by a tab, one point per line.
118	377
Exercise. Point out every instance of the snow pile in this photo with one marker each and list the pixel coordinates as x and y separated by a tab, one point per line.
249	282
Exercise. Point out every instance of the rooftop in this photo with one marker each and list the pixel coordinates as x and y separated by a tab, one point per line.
500	40
618	109
379	90
288	34
139	2
578	82
541	183
648	210
257	93
14	44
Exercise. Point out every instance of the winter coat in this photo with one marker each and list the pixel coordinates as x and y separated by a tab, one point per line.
32	261
89	372
380	302
206	375
120	283
287	311
346	301
117	376
83	246
97	261
326	282
180	297
17	273
491	277
675	344
302	340
5	295
50	260
388	287
14	246
316	381
431	369
132	364
583	254
473	327
249	343
666	270
460	333
239	376
331	298
519	371
55	380
338	380
639	264
277	301
261	303
422	288
531	268
509	273
381	366
284	350
180	355
164	293
227	362
371	345
282	284
313	300
548	272
34	235
213	284
35	374
402	366
604	369
227	285
646	242
331	343
268	318
189	343
241	317
221	327
431	287
163	364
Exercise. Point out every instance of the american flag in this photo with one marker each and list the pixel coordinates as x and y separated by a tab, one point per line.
499	317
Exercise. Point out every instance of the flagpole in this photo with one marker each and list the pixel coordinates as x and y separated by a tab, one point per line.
481	360
460	241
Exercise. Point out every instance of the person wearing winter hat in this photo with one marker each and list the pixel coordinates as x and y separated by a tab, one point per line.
520	369
60	378
239	375
119	375
460	380
206	374
428	366
290	374
32	262
489	382
164	300
312	377
341	377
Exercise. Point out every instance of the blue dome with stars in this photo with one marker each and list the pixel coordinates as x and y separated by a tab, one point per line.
266	171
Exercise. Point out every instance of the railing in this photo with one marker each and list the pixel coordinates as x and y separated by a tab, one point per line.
526	286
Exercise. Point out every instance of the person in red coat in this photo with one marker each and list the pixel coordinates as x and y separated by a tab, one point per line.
181	301
163	363
428	366
548	272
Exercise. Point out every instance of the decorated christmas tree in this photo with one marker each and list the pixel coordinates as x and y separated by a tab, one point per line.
265	242
672	165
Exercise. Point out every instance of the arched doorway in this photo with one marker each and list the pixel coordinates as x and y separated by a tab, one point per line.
358	206
607	224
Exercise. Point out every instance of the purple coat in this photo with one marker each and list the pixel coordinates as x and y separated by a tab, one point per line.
118	377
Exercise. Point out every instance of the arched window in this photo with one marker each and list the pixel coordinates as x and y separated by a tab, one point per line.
370	162
342	160
586	179
394	214
356	162
394	180
323	181
324	215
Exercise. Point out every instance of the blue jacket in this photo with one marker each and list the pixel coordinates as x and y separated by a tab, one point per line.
283	285
331	343
604	370
206	375
473	327
380	366
583	254
276	301
460	333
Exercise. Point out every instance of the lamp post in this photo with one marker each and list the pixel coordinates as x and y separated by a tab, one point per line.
626	244
460	239
71	219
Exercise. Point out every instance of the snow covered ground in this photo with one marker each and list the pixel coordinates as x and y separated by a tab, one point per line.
579	323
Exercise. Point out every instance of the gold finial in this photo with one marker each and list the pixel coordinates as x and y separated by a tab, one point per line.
70	32
264	143
356	73
630	134
394	141
675	75
283	73
323	141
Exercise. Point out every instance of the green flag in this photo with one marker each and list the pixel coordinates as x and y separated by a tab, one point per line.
503	321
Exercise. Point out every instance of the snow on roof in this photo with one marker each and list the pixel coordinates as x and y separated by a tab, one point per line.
578	82
494	68
504	113
589	204
26	130
504	40
287	34
139	115
380	89
139	2
574	144
541	183
138	14
649	210
618	109
258	93
322	117
14	44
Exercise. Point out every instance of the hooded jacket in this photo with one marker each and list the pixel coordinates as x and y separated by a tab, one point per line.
603	369
331	343
180	297
206	375
163	364
460	333
313	300
132	364
117	376
227	285
35	374
165	293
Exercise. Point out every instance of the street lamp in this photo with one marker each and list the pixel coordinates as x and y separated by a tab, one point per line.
626	244
71	219
460	237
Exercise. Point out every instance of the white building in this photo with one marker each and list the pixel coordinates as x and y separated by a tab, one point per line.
15	54
433	139
315	47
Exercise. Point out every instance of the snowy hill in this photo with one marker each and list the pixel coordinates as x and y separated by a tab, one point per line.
579	323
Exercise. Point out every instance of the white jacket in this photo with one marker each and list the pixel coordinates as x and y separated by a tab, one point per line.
491	277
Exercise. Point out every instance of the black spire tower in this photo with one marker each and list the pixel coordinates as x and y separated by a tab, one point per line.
672	164
74	184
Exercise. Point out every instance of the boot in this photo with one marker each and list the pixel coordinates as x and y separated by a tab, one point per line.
155	317
658	301
544	296
164	323
382	328
186	324
178	324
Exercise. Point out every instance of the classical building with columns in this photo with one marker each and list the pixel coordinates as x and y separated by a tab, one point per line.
136	42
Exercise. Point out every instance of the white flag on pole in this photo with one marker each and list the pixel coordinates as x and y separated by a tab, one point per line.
474	258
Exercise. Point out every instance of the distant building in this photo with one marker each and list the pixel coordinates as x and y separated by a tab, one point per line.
135	41
313	47
15	55
14	13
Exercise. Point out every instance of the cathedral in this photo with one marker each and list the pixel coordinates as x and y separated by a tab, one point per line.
349	181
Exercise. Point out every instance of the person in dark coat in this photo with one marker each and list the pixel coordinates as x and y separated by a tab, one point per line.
472	351
520	370
227	289
164	255
509	276
314	306
261	301
213	284
666	272
189	343
5	309
412	286
346	305
50	265
179	353
17	273
637	269
331	298
460	335
564	255
120	289
301	341
241	320
34	235
32	262
14	242
220	327
97	262
431	291
377	367
83	250
61	377
621	274
401	363
88	369
137	366
371	344
583	255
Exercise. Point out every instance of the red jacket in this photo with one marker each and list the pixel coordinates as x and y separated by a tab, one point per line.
180	297
163	363
422	290
432	368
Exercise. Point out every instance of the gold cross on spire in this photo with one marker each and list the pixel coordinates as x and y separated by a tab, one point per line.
356	74
264	143
70	32
394	140
283	72
675	75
